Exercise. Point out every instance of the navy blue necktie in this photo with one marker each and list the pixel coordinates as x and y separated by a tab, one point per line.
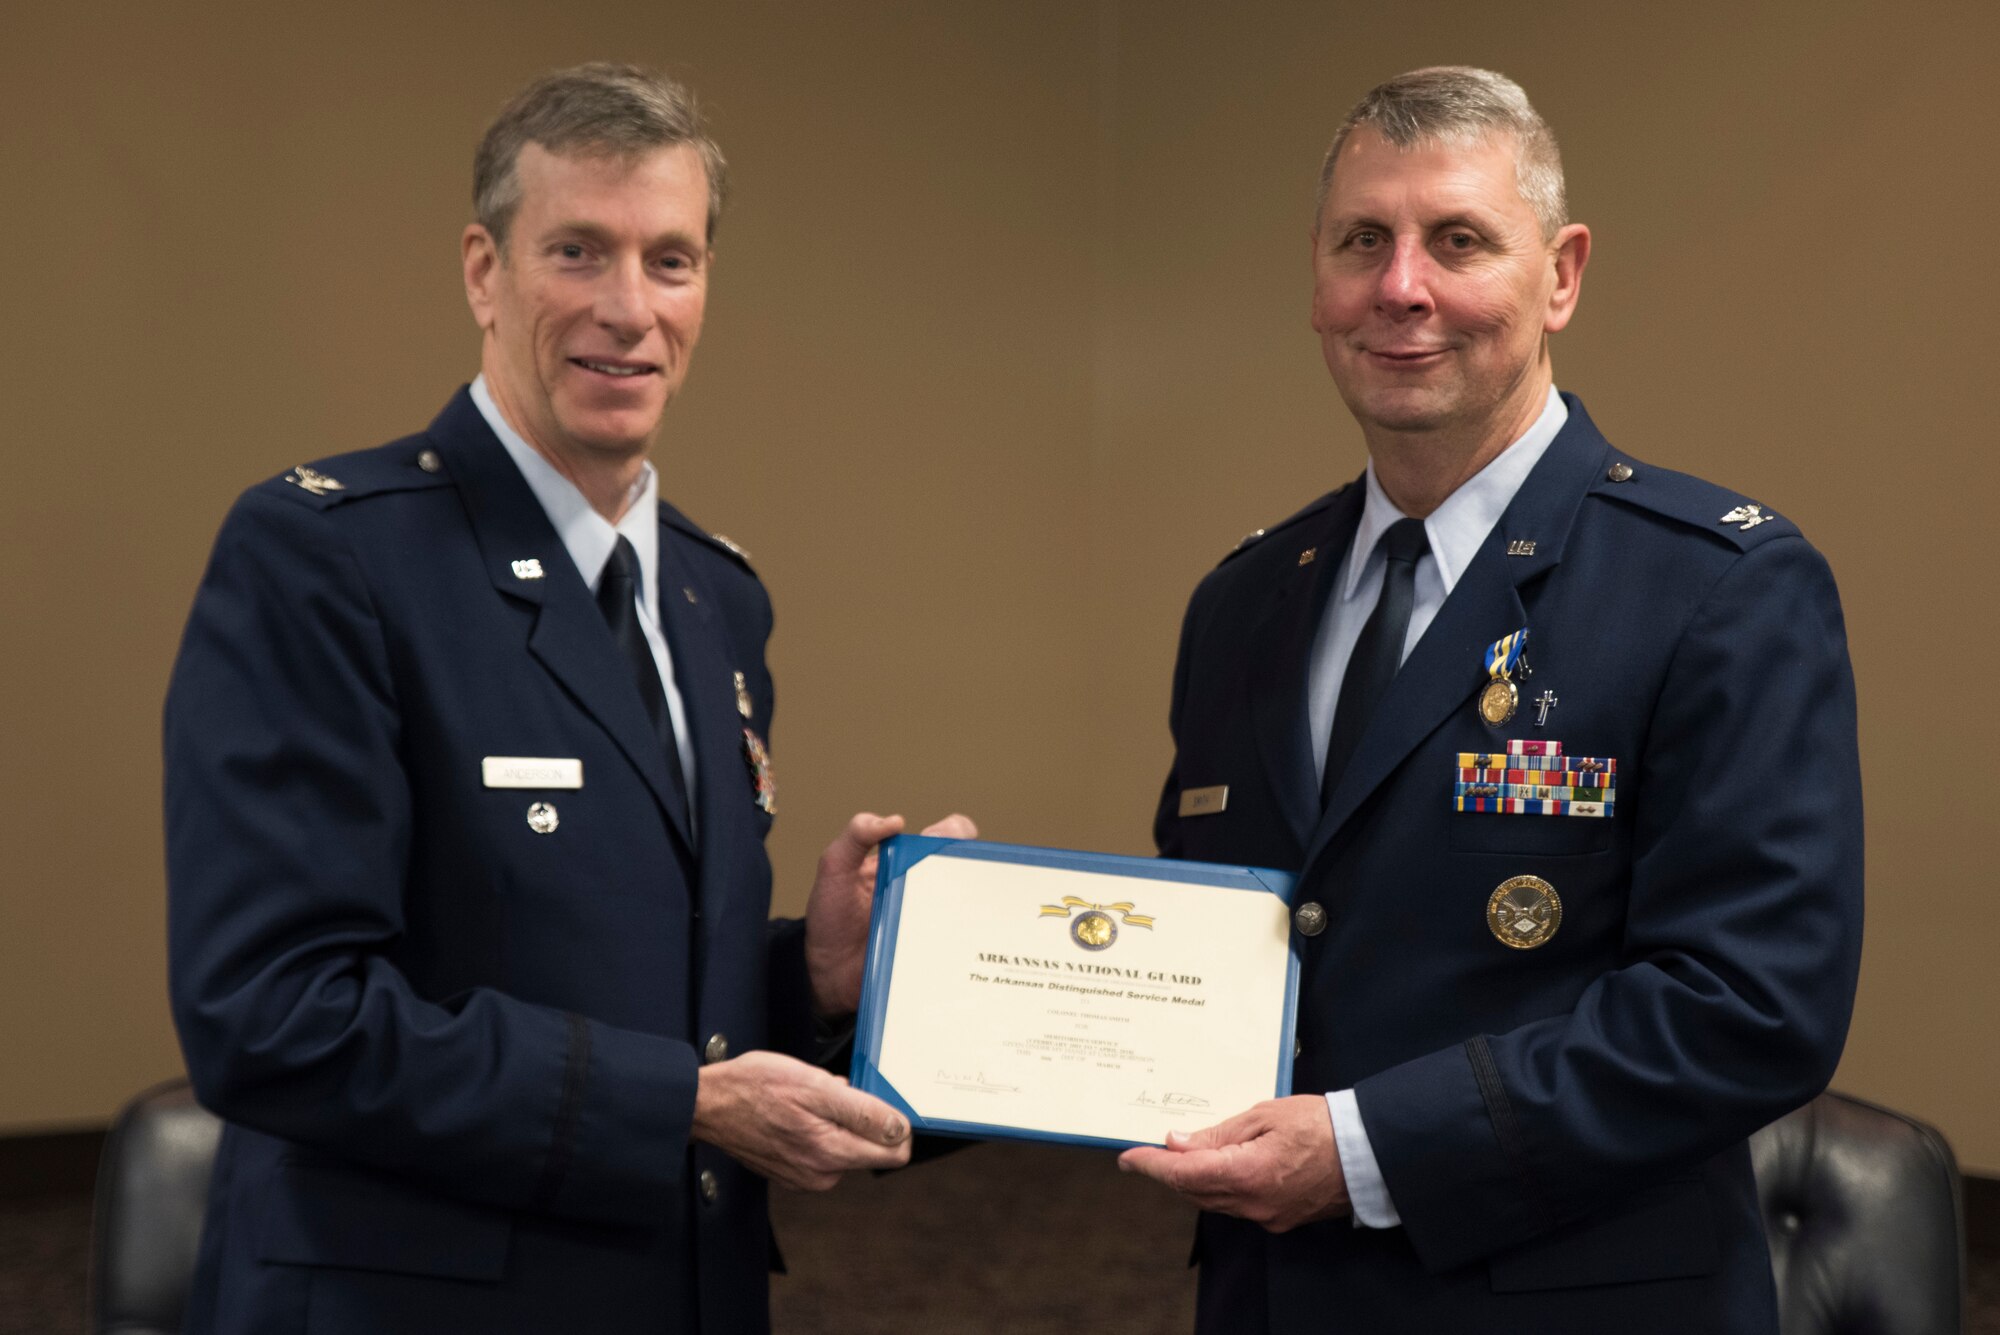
1379	651
617	597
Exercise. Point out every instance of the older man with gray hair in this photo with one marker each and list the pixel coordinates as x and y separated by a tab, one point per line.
1563	746
467	787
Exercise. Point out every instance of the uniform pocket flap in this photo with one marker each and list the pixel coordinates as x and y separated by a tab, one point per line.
322	1215
1663	1232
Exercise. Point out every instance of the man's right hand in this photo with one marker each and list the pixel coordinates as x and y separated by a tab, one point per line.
794	1123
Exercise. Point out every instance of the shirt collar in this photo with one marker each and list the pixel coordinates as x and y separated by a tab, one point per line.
587	535
1457	528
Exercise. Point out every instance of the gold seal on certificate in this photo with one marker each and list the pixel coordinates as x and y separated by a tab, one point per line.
1040	993
1094	931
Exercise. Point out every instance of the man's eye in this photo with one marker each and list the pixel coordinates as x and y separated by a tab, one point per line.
570	250
1459	241
673	262
1365	240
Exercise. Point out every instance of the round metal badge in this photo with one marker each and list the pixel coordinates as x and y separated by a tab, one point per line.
542	818
1498	701
1524	912
1093	930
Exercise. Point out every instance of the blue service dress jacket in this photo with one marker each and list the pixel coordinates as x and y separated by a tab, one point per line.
1562	1126
454	1028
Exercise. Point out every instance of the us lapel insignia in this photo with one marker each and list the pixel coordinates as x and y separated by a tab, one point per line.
1749	516
742	696
762	782
528	568
314	481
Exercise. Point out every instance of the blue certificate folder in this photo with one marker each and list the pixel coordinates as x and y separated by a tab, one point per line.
902	853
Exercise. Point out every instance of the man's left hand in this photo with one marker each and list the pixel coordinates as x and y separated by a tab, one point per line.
843	895
1274	1165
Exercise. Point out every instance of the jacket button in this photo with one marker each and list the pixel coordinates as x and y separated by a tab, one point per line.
708	1186
1310	919
429	461
716	1049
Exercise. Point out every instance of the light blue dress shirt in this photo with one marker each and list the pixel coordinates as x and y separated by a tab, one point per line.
590	539
1456	530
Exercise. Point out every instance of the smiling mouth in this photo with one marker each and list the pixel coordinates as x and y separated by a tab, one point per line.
618	370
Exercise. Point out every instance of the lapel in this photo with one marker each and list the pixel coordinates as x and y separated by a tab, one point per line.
566	634
697	637
1448	664
1280	648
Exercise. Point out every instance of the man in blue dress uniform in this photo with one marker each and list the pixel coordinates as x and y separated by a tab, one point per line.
1563	744
466	797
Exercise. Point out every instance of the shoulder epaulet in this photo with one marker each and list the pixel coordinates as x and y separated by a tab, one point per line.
404	465
726	546
1729	515
1252	539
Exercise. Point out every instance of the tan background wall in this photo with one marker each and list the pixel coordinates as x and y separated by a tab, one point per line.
1007	347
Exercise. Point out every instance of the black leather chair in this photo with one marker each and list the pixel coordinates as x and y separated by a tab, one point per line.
1861	1203
1862	1206
152	1187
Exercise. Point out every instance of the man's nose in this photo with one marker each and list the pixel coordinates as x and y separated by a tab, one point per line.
621	304
1405	285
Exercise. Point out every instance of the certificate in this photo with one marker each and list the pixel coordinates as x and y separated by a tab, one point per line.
1080	997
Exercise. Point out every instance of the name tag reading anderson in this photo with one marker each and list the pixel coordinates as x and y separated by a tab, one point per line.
1049	995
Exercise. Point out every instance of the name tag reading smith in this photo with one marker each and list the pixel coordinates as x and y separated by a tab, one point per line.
1208	801
531	772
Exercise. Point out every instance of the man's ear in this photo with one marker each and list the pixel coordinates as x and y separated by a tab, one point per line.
479	256
1570	254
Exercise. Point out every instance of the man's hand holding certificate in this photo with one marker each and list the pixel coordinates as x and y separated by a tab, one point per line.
1052	995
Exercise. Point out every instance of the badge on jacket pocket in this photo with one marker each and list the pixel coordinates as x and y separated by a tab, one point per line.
1535	778
1524	912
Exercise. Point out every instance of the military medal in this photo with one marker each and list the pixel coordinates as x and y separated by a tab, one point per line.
1501	697
755	753
1524	912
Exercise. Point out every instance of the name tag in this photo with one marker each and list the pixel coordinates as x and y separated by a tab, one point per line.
1208	801
531	772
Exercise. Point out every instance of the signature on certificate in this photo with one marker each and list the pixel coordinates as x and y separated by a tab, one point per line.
1148	1099
974	1080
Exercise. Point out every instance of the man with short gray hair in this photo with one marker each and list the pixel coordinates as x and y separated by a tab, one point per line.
467	786
1563	747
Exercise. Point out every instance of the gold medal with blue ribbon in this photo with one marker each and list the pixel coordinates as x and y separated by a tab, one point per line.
1500	697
